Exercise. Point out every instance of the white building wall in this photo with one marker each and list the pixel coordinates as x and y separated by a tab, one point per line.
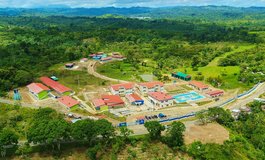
121	91
145	90
161	104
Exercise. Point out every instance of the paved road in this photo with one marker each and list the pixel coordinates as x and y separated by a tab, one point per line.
140	129
247	99
91	70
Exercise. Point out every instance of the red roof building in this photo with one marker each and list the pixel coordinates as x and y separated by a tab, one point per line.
160	96
37	88
122	89
216	93
106	59
69	102
198	85
55	85
116	87
117	56
98	102
151	84
147	87
160	99
135	99
84	60
112	100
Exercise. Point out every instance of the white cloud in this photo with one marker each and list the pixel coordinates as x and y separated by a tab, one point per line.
127	3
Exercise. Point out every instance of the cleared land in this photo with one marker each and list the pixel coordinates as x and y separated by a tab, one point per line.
210	133
125	71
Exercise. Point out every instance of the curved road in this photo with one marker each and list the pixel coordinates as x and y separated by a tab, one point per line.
91	70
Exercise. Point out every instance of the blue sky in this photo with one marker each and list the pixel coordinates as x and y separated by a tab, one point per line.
128	3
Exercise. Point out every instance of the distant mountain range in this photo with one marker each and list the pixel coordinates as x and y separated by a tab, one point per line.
203	12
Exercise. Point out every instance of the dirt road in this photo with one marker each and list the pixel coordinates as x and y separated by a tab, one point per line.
91	70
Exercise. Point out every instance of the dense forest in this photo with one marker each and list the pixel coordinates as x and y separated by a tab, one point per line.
24	131
29	45
251	63
199	13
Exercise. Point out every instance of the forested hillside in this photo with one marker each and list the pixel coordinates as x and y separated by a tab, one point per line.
29	45
208	13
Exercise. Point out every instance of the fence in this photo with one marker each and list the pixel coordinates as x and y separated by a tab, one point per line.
193	114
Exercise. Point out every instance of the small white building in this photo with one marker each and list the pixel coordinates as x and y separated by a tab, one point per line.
147	87
160	99
122	89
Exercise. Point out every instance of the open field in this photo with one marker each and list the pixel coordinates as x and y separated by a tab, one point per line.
239	49
210	133
125	71
78	80
228	74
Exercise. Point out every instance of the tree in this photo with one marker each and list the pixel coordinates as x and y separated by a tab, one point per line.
83	130
92	152
125	133
51	132
104	128
23	77
202	116
175	137
7	138
56	132
220	115
154	128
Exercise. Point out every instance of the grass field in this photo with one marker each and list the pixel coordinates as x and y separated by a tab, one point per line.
78	80
228	74
239	49
125	71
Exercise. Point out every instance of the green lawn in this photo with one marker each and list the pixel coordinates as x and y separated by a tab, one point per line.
239	49
231	72
77	80
124	71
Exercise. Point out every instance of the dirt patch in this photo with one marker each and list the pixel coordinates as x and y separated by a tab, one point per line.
25	95
210	133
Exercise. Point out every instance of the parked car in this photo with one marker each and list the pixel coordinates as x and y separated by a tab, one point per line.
161	115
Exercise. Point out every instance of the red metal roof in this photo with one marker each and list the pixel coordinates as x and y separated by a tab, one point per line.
106	59
84	59
117	56
98	102
37	87
133	97
112	100
68	101
151	84
216	92
198	84
54	85
127	86
160	96
92	55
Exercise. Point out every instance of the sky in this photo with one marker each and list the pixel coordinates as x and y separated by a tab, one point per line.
127	3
